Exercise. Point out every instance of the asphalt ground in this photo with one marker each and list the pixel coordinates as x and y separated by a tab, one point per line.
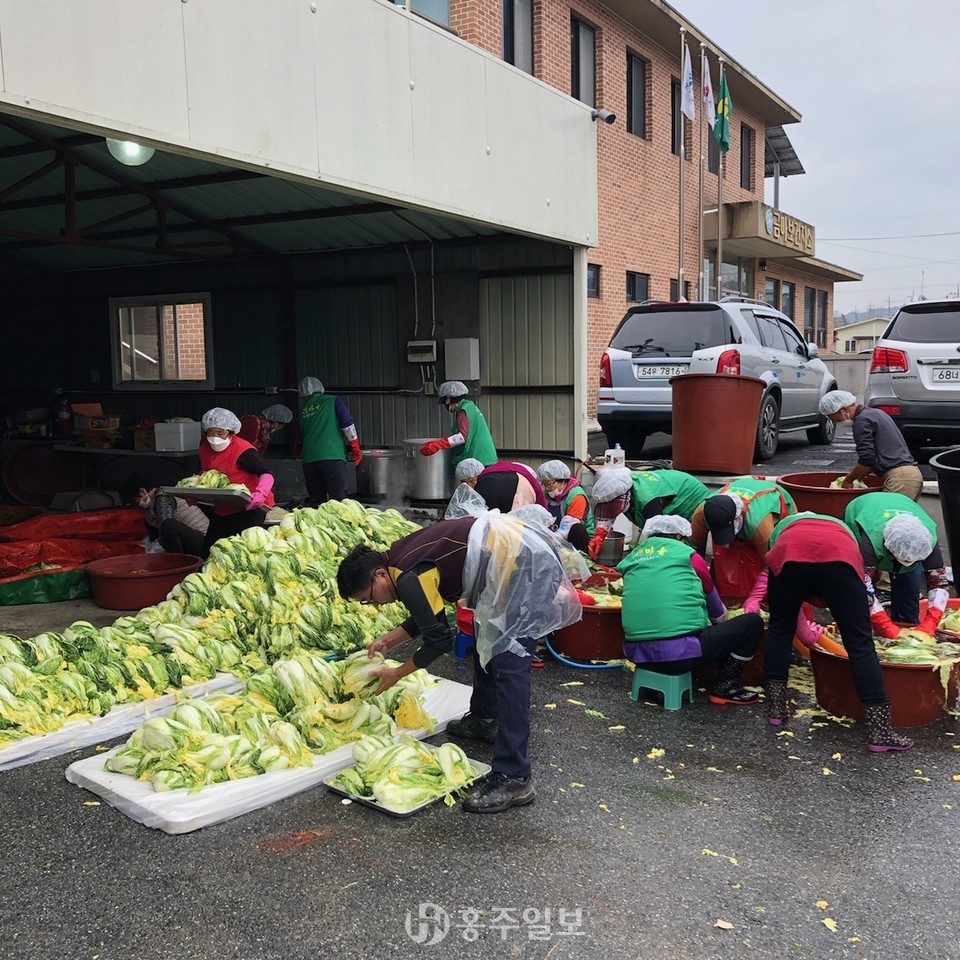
703	833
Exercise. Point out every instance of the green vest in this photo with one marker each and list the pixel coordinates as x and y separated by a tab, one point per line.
869	513
686	491
322	437
587	521
761	497
807	515
662	594
479	443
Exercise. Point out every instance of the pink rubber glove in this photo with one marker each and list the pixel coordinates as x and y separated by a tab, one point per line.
259	496
808	632
434	446
759	591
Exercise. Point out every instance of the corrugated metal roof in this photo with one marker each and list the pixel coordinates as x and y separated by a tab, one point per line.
208	209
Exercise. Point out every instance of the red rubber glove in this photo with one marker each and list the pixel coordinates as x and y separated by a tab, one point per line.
586	599
931	621
355	455
883	625
434	446
596	542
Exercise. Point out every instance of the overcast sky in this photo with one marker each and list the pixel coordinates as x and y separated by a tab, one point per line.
876	85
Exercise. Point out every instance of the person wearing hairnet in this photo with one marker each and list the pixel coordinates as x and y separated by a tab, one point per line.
567	502
640	495
898	538
221	449
814	557
881	448
504	485
471	438
673	618
329	434
258	428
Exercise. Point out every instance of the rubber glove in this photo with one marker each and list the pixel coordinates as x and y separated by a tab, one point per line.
808	632
355	455
759	591
883	625
434	446
596	542
586	599
259	496
566	524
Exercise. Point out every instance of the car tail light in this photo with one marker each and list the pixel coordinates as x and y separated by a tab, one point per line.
890	411
729	362
887	360
606	380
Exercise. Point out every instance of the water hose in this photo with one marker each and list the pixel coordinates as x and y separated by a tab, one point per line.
579	664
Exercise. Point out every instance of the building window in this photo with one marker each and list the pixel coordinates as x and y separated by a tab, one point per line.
638	287
771	291
518	33
583	56
436	10
593	280
849	346
810	314
822	318
676	120
746	157
713	154
789	299
162	342
636	95
675	290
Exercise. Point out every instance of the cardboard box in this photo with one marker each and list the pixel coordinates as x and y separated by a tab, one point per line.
99	441
144	439
177	436
90	416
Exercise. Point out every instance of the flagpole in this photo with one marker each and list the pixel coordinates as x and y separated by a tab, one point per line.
703	75
683	35
720	208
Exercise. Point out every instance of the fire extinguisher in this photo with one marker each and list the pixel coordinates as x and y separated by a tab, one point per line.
64	419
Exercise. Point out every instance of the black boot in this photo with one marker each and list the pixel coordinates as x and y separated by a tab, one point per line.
498	793
726	685
882	736
776	694
469	727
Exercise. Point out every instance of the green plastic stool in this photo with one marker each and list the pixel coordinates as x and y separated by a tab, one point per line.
673	687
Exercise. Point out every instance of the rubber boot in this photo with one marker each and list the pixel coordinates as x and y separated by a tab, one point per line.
882	736
776	694
726	685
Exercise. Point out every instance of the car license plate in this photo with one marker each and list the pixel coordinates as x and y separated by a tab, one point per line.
946	373
654	370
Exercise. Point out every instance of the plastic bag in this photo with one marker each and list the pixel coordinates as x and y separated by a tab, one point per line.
516	579
151	546
465	502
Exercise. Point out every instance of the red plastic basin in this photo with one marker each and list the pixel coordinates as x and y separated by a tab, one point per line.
135	581
812	491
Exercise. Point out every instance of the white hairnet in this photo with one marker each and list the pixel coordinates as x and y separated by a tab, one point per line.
666	526
553	470
278	413
452	389
534	513
611	483
309	386
907	538
220	417
835	401
467	469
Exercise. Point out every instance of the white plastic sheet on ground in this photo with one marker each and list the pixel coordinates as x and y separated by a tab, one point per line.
122	719
179	811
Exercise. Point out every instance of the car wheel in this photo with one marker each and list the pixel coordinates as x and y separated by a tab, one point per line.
631	439
768	429
823	433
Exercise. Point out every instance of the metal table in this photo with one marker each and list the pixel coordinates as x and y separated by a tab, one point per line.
180	457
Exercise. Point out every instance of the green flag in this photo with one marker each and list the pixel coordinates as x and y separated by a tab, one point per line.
721	129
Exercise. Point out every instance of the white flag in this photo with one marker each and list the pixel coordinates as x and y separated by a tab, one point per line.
709	105
688	100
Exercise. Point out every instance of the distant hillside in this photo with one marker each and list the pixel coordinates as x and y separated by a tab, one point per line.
852	316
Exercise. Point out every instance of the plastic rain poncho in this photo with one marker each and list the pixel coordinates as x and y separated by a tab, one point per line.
465	502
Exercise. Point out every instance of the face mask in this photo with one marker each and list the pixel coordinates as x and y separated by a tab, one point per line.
219	443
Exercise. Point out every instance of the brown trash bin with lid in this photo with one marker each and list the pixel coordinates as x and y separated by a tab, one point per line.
715	422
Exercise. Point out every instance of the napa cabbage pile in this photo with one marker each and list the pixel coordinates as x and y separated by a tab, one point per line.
212	480
264	595
405	774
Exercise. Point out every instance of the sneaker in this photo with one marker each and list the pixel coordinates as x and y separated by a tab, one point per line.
537	661
469	727
498	793
738	696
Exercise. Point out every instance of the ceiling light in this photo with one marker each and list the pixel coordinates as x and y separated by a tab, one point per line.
129	153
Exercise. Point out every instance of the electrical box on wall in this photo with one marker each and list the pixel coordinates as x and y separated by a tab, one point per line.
421	351
462	358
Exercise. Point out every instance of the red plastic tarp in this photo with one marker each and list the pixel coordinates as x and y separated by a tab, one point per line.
125	524
16	557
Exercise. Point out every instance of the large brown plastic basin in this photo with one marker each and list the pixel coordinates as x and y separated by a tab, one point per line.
812	491
135	581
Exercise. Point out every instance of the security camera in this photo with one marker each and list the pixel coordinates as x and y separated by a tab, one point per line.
607	116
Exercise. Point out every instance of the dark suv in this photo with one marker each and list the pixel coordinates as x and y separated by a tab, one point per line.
915	373
656	341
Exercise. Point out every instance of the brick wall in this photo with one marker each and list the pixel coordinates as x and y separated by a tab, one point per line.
184	353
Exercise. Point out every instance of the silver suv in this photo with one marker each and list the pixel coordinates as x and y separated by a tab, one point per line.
656	341
915	373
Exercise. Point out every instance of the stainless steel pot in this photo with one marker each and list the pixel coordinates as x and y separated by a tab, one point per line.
428	478
381	472
611	550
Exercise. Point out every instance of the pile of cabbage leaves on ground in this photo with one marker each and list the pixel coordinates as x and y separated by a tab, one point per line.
264	595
